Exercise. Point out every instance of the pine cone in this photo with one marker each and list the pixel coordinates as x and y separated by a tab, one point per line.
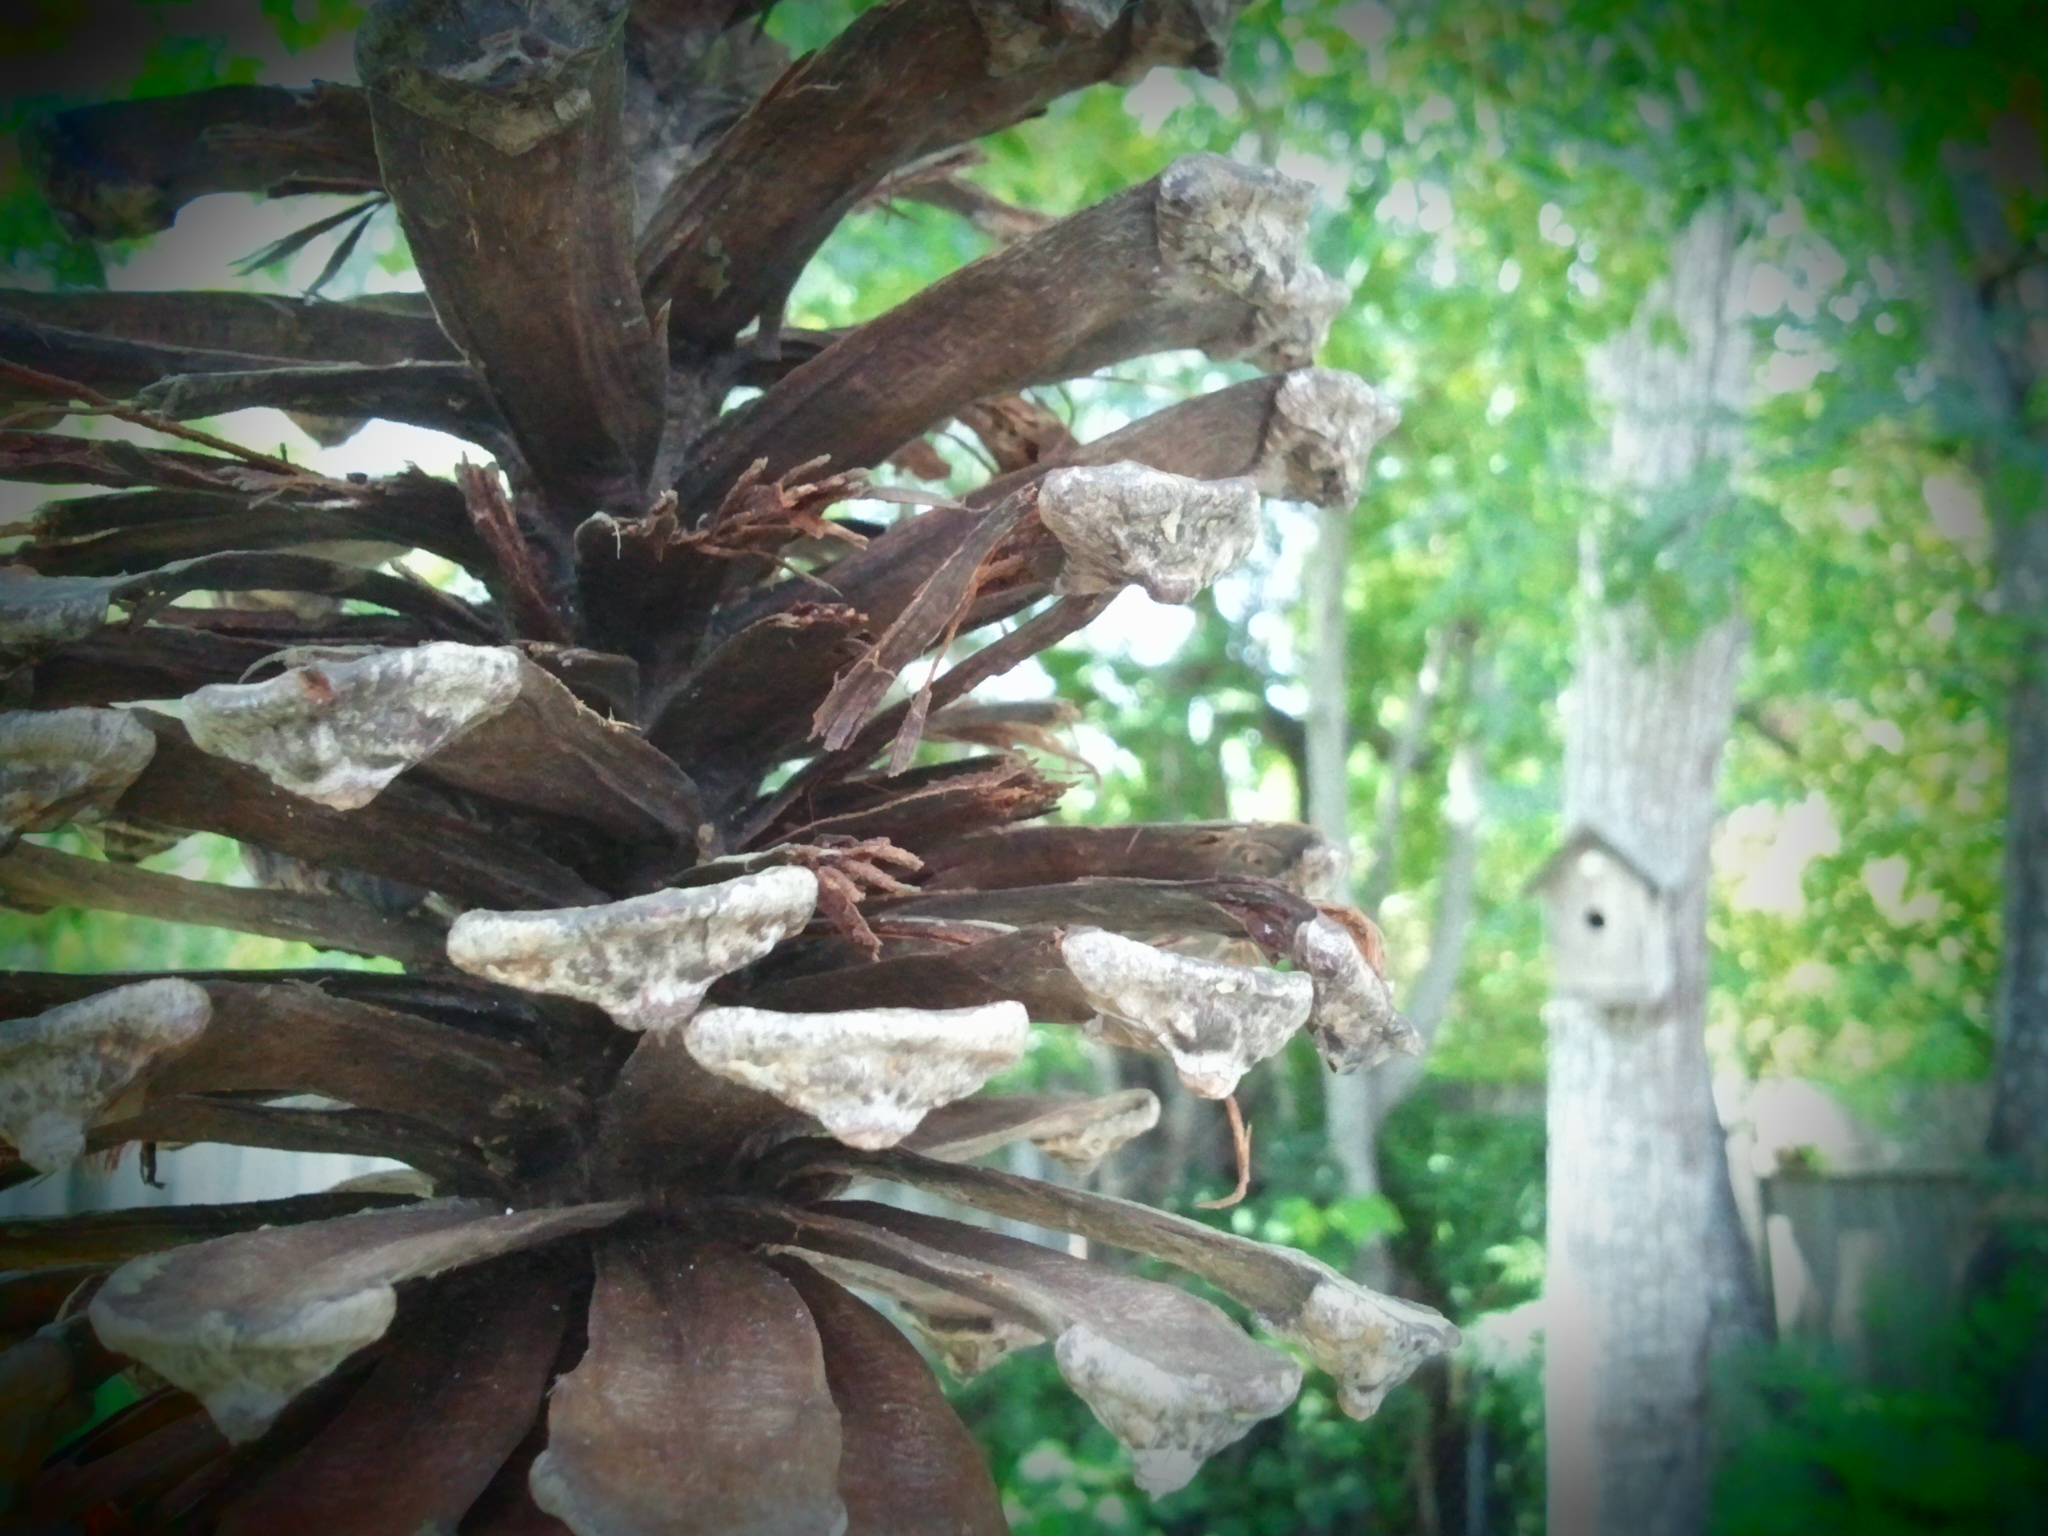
692	938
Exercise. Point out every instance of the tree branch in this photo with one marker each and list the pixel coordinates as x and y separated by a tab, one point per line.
1429	998
1446	642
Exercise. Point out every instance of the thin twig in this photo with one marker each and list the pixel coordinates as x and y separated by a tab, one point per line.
1241	1143
50	383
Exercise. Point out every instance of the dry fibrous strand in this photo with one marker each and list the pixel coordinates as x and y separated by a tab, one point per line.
123	169
1241	1148
1303	435
246	1323
1036	634
60	459
868	592
913	809
1118	525
868	1075
375	328
648	960
930	614
640	574
1209	254
538	607
1012	727
140	531
500	140
730	237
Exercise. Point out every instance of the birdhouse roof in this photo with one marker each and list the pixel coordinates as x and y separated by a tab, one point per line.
1578	840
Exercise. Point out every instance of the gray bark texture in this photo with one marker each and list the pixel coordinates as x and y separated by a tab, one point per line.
1993	307
1648	1269
1348	1121
2019	1115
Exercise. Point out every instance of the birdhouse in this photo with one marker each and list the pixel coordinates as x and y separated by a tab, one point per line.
1609	923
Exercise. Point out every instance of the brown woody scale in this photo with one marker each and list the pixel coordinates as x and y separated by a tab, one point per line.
655	1016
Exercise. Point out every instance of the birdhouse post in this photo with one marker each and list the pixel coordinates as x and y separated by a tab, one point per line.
1608	921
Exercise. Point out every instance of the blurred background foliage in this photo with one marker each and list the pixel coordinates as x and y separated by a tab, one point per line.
1499	182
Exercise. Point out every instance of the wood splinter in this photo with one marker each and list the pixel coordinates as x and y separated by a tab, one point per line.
1241	1144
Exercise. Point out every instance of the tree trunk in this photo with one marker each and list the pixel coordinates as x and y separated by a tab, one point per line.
1991	331
1648	1271
1989	310
2019	1116
1348	1126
